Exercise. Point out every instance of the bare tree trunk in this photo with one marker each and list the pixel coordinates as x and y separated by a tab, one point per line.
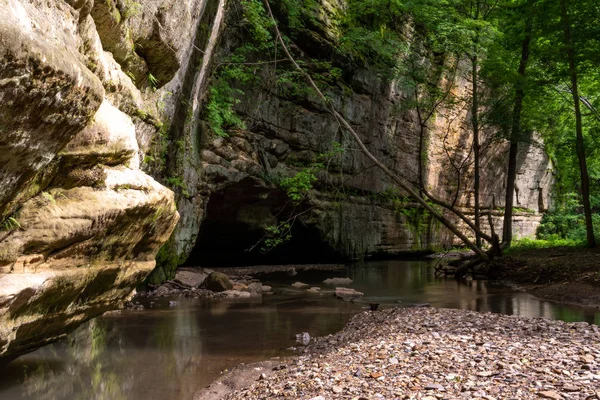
515	133
202	77
342	121
475	126
476	148
585	181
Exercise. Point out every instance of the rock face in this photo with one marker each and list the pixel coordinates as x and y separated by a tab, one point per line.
98	96
80	223
232	184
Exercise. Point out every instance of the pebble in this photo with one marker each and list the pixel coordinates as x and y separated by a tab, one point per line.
428	353
550	395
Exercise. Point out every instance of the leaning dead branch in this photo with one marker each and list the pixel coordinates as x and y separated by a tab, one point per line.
345	125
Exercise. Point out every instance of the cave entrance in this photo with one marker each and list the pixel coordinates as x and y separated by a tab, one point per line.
235	222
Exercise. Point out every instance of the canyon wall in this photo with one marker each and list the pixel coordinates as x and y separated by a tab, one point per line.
81	223
233	181
104	105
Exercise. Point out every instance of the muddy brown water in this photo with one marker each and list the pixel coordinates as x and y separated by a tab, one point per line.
170	351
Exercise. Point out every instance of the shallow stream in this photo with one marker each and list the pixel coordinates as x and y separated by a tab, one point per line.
169	351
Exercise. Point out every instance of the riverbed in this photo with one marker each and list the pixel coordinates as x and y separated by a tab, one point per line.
176	346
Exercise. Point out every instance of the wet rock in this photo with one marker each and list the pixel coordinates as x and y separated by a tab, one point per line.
338	281
162	290
236	294
347	294
303	338
255	288
217	282
314	290
266	288
422	305
190	278
299	285
241	287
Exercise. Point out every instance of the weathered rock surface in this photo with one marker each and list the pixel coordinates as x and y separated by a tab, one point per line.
230	180
217	282
191	278
80	222
347	294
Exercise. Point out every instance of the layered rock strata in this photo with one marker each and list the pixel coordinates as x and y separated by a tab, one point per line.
81	223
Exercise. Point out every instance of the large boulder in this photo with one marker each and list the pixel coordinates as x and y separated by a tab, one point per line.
80	223
191	278
217	282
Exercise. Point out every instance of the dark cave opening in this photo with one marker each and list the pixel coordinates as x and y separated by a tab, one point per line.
235	222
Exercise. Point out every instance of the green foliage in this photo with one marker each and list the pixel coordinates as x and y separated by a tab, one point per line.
220	113
10	224
153	82
531	244
276	235
176	182
298	186
131	8
48	197
371	33
257	22
570	226
131	76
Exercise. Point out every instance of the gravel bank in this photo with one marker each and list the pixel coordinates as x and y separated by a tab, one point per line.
422	353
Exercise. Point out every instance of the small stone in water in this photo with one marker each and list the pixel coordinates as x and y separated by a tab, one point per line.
303	338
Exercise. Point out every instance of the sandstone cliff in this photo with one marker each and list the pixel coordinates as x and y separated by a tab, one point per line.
81	223
230	184
100	98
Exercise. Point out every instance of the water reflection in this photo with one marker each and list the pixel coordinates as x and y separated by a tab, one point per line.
414	281
170	352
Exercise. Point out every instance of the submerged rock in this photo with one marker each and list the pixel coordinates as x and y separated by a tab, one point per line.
347	294
217	282
338	281
303	338
255	287
266	288
236	294
299	285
